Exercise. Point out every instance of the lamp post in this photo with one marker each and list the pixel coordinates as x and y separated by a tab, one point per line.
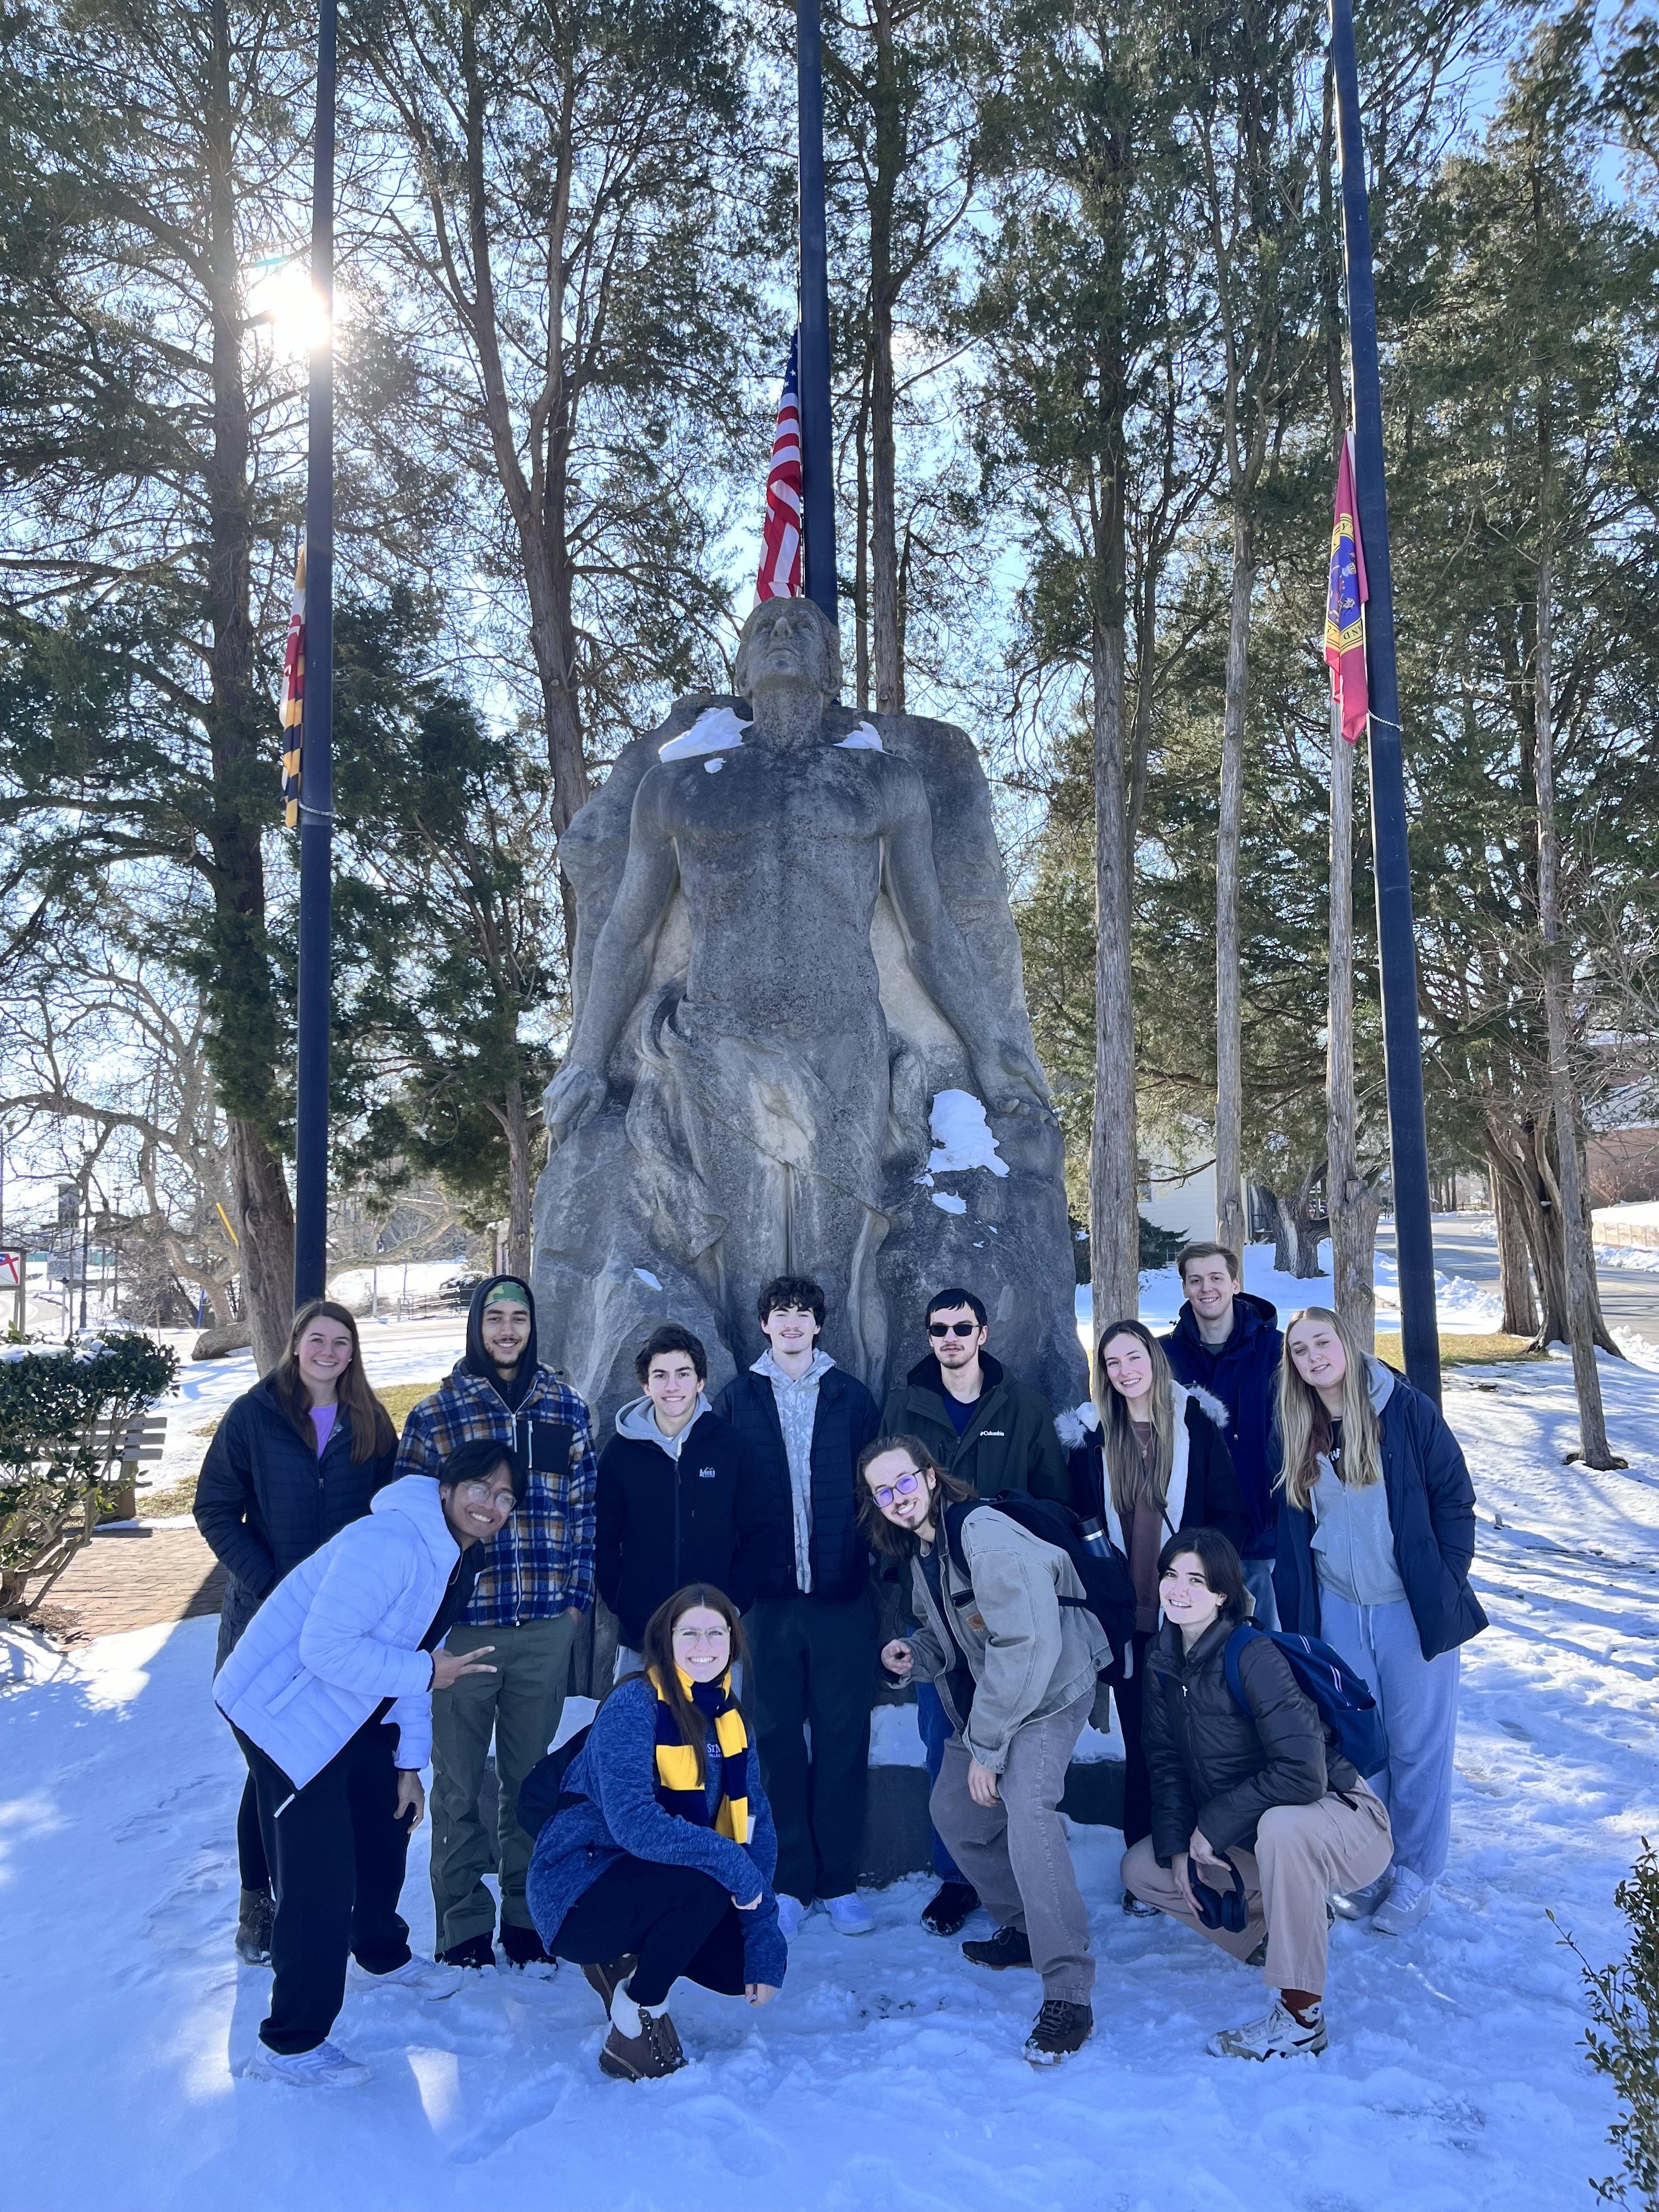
1408	1145
317	757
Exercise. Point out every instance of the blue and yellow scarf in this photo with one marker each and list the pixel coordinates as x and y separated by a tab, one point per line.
678	1790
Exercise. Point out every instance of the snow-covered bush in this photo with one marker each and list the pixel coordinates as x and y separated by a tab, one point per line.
63	1409
1624	2041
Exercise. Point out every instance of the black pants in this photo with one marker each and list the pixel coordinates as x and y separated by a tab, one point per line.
251	1860
676	1920
814	1665
1137	1782
338	1854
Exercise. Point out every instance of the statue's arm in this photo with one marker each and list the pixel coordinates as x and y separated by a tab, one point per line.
621	959
1006	1073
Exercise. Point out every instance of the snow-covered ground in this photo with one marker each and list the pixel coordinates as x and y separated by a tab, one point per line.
887	2077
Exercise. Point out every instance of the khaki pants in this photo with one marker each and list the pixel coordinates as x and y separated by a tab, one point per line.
1015	1851
519	1705
1303	1853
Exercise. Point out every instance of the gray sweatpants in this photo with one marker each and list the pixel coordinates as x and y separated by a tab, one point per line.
1417	1699
1303	1854
1015	1851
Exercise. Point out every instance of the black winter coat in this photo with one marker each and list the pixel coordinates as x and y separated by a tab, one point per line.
1212	1766
846	1419
1009	1444
712	1518
265	1501
1243	1374
1208	1497
1431	1511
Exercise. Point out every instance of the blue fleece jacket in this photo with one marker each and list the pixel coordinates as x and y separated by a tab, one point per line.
615	1774
1243	1373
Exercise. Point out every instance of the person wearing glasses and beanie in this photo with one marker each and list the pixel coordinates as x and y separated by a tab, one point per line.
991	1432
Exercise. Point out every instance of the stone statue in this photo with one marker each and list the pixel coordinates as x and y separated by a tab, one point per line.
774	983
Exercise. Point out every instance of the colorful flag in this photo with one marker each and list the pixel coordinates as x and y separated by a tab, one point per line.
780	569
1345	624
293	696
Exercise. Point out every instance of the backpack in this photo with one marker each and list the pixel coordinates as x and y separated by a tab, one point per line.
542	1793
1109	1594
1345	1705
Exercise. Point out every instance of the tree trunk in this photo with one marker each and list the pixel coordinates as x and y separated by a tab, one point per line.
861	545
1580	1261
264	1225
1349	1201
884	517
1514	1265
1229	1020
1113	1211
518	1181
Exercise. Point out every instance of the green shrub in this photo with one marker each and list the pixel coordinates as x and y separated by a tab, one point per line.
54	1468
1623	2040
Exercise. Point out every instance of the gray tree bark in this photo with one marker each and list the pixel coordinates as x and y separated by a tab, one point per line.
1114	1212
1350	1201
1229	1017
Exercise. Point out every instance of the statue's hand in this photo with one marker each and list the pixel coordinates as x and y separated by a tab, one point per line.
1013	1085
575	1096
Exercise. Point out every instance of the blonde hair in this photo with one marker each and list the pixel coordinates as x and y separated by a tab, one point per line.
1124	1465
1304	1425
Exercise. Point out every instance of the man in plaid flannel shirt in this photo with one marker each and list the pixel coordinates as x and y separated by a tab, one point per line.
535	1584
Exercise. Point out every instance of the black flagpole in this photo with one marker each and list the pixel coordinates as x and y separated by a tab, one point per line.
817	452
317	757
1408	1143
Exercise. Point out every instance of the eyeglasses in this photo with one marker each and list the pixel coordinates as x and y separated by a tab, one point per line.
906	1486
952	1328
485	1493
702	1636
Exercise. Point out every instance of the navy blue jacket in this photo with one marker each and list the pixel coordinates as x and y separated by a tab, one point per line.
712	1517
847	1419
1243	1373
265	1501
1431	1513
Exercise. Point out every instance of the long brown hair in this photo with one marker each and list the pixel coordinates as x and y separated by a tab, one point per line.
371	1432
657	1654
1304	1425
890	1541
1124	1474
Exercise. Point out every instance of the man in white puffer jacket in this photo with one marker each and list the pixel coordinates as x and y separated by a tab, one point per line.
330	1692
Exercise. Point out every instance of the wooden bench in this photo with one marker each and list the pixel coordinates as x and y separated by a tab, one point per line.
126	1446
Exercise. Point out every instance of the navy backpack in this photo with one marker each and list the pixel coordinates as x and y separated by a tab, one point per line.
1345	1705
1108	1593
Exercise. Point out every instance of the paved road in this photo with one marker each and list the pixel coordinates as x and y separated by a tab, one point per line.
1630	1299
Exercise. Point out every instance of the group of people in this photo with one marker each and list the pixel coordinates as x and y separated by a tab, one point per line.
769	1558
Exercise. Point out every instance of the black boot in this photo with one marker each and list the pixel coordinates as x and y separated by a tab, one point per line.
524	1947
948	1909
253	1924
476	1951
1007	1947
1061	2029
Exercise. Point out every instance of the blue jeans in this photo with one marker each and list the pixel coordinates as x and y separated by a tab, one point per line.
1417	1699
936	1732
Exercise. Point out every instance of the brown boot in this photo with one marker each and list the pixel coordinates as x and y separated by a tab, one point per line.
603	1980
648	2057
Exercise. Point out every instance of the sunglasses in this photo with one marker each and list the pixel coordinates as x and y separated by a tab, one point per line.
953	1328
906	1486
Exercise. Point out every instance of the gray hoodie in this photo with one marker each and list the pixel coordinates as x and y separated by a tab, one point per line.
638	1419
1353	1536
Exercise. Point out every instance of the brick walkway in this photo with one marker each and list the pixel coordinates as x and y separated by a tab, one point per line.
132	1581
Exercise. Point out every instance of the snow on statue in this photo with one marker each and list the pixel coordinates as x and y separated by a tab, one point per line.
794	941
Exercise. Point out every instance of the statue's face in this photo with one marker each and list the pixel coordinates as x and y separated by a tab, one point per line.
785	649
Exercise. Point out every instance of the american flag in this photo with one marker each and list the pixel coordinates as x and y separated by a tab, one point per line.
780	569
293	696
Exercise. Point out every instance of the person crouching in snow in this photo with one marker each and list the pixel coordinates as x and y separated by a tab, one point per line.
330	1693
1015	1657
658	1858
1256	1815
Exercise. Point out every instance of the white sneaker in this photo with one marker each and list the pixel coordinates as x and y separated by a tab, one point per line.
326	2067
423	1978
790	1914
1360	1904
849	1915
1406	1907
1280	2034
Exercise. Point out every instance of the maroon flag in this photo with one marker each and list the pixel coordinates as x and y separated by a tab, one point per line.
780	567
293	696
1346	596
